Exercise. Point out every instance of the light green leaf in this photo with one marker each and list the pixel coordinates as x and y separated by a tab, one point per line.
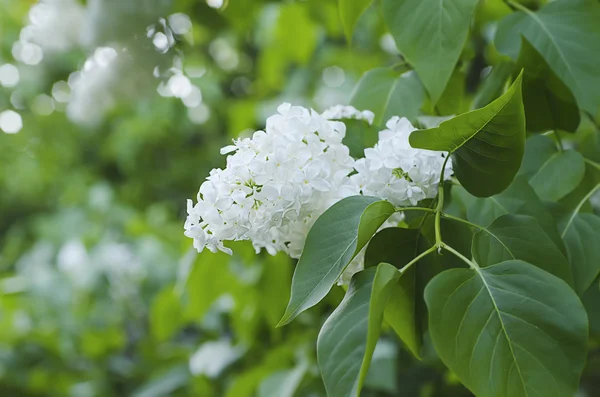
404	311
350	12
333	241
282	383
518	199
388	93
430	34
567	34
349	336
509	330
552	174
486	144
165	314
520	237
549	104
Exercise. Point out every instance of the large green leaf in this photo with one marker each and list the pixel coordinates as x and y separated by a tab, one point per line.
519	199
520	237
333	241
486	144
567	34
404	310
509	330
350	12
348	338
388	93
552	173
549	104
430	34
581	234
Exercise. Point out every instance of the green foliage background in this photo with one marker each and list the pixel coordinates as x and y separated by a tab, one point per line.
128	323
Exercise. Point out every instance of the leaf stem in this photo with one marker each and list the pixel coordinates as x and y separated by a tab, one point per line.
515	5
592	163
455	218
469	262
578	208
400	209
440	206
418	258
559	144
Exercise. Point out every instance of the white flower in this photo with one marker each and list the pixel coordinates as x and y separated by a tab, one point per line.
275	185
395	171
340	112
278	182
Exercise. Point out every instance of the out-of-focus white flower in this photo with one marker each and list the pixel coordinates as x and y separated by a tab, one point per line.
9	75
276	184
92	88
10	122
54	26
340	112
397	172
215	3
213	357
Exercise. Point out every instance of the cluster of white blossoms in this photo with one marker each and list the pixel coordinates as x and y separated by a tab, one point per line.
278	182
395	171
54	26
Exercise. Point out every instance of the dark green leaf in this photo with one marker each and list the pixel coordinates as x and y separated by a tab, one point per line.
519	199
486	144
430	34
552	174
581	234
348	338
350	12
404	311
333	241
520	237
567	34
549	104
509	330
388	93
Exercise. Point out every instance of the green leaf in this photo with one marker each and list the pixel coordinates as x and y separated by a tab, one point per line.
567	34
430	34
333	241
282	383
581	234
349	336
518	199
165	314
549	104
486	144
552	174
509	330
388	93
404	310
520	237
350	12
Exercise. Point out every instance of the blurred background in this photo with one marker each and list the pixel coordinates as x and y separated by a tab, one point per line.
112	113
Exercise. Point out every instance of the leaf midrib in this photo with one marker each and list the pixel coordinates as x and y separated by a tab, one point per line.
504	330
539	21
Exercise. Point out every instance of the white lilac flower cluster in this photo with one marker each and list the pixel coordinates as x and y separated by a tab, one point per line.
54	26
397	172
275	184
278	182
